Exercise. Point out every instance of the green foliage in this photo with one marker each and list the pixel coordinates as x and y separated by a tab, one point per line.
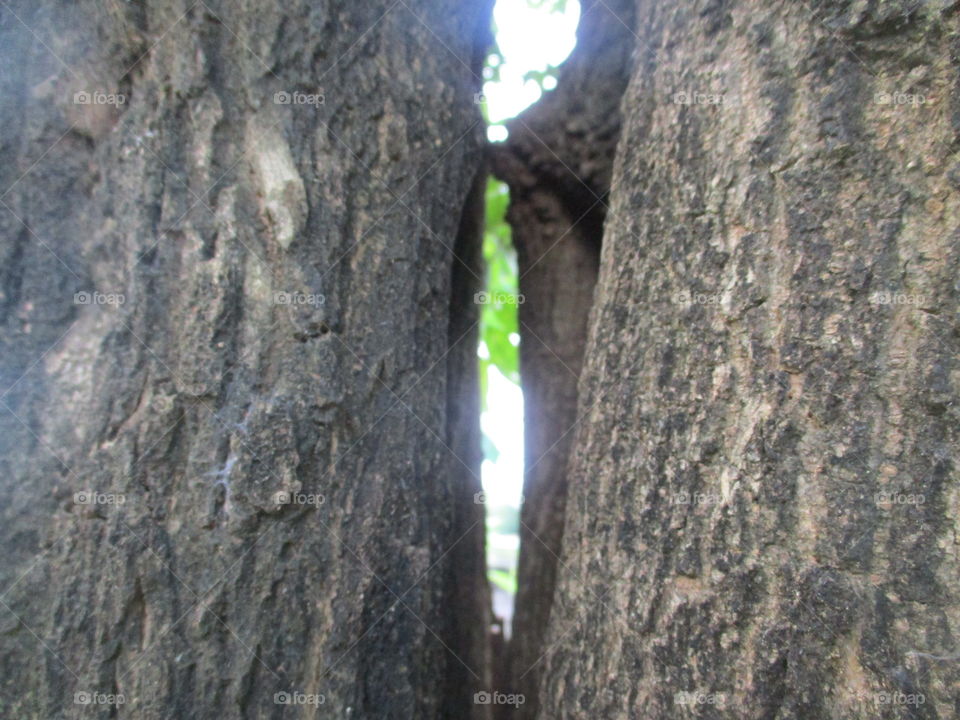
498	317
540	76
506	581
556	6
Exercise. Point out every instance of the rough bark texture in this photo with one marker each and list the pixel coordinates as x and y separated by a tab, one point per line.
205	394
218	308
762	521
558	161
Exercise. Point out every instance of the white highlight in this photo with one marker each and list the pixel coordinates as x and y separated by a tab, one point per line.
530	39
503	424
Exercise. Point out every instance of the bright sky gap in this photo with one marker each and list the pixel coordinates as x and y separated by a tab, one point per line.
533	37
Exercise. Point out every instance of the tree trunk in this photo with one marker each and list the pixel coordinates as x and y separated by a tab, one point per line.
234	361
238	405
762	519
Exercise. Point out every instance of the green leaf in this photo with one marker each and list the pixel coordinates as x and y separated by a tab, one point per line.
506	581
498	318
556	6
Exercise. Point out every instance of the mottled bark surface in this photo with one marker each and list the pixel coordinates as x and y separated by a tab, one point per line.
557	161
762	521
286	271
238	413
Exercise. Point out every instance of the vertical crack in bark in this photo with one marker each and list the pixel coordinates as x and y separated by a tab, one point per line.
469	659
469	621
558	162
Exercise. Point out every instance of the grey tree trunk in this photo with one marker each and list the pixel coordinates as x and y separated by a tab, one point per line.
238	402
763	510
236	453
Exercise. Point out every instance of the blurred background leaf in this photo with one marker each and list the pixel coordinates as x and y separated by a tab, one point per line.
498	320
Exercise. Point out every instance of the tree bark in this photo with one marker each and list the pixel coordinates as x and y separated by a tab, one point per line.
238	405
762	520
231	372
